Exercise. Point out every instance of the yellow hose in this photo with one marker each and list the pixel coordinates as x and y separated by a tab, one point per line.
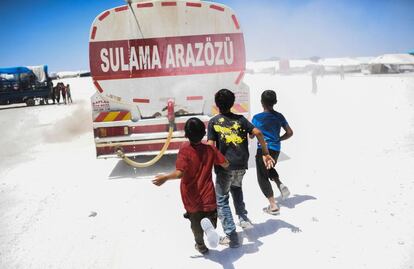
133	163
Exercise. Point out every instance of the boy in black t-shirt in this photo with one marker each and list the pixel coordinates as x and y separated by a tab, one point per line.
228	131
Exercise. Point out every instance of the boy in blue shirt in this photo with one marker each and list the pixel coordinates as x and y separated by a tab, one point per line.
269	122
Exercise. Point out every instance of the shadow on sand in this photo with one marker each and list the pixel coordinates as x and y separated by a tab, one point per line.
228	256
123	170
294	200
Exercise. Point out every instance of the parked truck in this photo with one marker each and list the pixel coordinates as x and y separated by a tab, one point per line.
24	85
154	65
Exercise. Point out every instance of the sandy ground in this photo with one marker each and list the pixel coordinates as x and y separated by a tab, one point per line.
349	165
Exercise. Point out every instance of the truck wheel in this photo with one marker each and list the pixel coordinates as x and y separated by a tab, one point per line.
30	102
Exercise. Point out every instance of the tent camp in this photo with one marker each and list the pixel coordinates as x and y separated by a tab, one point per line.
337	65
286	66
283	66
257	67
392	63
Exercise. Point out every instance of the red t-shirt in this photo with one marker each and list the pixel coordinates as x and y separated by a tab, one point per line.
197	189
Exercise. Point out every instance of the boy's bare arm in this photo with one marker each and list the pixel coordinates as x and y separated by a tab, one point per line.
288	133
161	179
267	159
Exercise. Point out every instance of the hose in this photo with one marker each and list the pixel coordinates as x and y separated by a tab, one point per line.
133	163
171	118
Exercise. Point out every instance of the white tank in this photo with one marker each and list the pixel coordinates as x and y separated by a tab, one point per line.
148	52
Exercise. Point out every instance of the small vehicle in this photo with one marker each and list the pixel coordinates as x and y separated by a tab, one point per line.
24	85
157	63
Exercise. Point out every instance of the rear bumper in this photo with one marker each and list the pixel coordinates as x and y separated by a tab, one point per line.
146	153
133	148
147	137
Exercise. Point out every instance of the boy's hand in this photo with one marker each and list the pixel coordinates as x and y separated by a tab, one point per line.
159	180
268	161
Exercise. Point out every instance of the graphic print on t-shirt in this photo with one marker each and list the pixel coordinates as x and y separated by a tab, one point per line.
229	134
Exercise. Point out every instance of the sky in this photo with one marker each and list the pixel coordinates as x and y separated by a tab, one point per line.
56	33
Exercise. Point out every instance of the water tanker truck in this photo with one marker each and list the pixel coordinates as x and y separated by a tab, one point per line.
154	65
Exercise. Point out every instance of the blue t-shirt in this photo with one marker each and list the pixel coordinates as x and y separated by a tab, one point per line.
270	123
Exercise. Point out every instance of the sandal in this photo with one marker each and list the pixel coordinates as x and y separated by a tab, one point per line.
273	212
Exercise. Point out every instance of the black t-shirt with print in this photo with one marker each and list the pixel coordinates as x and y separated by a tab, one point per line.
229	131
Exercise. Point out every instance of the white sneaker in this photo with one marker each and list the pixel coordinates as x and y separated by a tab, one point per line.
284	191
211	234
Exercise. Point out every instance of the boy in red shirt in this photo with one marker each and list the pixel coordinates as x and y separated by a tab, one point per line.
194	165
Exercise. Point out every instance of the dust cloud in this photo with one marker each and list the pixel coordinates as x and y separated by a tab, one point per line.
71	126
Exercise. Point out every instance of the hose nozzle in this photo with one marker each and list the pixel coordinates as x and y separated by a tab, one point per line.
170	111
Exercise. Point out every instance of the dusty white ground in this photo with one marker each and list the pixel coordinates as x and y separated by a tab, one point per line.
349	165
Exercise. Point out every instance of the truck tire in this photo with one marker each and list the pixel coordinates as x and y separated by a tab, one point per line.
30	102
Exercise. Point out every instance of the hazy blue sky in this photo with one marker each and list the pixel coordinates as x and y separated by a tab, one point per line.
56	32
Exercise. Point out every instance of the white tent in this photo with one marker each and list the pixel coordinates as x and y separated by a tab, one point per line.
364	60
296	66
392	63
261	67
336	64
339	62
396	59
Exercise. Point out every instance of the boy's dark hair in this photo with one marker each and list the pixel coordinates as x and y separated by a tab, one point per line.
269	98
224	100
194	130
